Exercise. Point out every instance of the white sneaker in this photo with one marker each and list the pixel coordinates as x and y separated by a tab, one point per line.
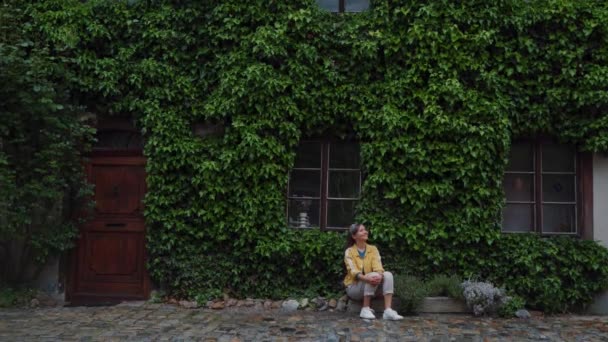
391	315
367	313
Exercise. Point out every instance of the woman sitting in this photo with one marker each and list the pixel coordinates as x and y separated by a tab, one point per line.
365	274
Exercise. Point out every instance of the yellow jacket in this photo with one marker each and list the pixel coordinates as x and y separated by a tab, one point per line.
370	262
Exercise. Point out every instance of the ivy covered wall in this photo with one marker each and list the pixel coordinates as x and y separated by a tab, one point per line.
434	91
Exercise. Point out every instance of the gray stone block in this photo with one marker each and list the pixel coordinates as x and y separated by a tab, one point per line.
522	313
290	305
599	305
443	305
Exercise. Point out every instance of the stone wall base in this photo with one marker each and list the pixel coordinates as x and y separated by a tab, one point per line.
443	305
49	284
599	305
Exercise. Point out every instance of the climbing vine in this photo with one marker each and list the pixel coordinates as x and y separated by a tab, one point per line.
434	91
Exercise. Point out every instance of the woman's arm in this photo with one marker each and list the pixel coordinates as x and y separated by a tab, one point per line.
351	266
377	261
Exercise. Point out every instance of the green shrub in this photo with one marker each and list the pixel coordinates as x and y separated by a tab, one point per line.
443	285
203	297
411	292
510	306
156	296
554	274
42	140
15	297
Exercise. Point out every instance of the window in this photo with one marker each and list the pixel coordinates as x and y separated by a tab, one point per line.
341	6
544	189
324	185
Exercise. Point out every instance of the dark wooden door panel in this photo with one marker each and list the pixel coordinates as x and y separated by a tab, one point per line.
113	257
112	254
115	225
118	189
92	293
108	264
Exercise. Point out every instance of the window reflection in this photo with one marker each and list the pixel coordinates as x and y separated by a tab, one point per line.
541	195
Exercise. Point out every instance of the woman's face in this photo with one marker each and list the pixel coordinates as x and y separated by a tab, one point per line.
361	234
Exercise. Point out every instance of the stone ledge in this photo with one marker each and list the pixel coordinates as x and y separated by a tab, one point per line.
442	305
599	306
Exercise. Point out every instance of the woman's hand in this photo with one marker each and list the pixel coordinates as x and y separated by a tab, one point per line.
374	278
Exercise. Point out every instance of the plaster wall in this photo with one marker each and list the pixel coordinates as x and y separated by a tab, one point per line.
49	280
600	219
600	198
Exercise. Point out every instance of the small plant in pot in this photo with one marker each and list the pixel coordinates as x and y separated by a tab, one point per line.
445	286
513	306
411	292
444	295
483	298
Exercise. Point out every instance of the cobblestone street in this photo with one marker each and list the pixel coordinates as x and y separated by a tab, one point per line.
163	322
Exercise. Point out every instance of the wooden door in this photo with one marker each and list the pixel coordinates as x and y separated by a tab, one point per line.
108	264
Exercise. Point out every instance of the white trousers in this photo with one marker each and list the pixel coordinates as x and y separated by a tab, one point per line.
359	289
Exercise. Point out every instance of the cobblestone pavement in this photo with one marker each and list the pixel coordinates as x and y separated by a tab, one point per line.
164	322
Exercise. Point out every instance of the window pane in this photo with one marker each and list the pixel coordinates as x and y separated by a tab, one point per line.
303	213
340	214
518	218
558	158
521	157
344	184
559	218
308	155
305	183
344	156
330	5
356	5
558	188
519	187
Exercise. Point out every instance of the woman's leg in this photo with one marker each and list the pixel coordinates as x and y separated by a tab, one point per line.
366	301
355	290
387	289
369	292
362	291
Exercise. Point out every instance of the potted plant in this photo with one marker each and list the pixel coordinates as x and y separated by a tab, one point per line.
444	295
